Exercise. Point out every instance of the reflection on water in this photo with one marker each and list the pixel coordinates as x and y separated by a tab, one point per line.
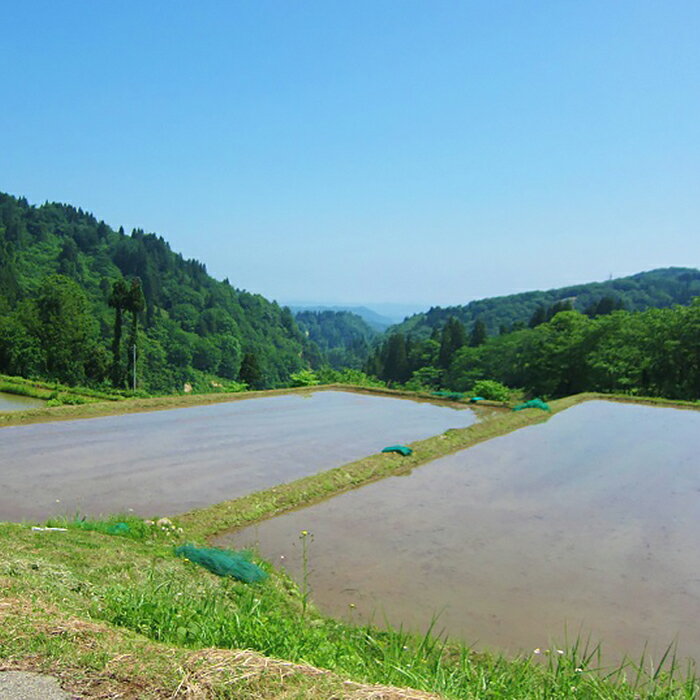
588	522
168	462
15	402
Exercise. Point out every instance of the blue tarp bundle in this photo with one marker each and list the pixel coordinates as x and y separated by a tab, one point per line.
400	449
533	403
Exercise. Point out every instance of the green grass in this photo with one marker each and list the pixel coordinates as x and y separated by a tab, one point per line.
138	584
122	525
228	615
53	391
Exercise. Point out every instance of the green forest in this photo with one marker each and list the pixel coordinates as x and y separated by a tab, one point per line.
340	339
77	297
649	353
84	304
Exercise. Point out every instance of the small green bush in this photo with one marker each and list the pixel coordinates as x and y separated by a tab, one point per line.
425	379
304	377
60	399
355	377
491	390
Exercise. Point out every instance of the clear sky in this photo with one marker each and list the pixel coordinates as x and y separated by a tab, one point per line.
422	152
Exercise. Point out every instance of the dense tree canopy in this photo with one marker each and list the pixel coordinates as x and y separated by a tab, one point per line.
341	338
654	352
77	296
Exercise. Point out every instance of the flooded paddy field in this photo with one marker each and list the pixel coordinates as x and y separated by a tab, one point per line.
168	462
588	523
15	402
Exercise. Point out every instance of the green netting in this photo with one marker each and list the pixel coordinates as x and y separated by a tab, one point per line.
401	449
454	395
533	403
109	527
223	562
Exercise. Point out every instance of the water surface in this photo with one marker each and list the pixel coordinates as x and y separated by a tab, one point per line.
167	462
15	402
590	521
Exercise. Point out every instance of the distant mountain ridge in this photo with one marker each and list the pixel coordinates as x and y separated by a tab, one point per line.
374	320
658	288
339	339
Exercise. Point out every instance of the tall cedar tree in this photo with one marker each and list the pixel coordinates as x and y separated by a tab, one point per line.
478	335
396	364
251	372
454	336
135	304
118	301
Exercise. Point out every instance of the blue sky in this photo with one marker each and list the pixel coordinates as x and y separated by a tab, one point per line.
419	152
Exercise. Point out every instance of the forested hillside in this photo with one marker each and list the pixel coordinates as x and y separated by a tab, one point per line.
76	296
655	289
79	301
653	353
375	321
338	339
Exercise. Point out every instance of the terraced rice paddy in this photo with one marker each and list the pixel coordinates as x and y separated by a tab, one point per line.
14	402
588	523
167	462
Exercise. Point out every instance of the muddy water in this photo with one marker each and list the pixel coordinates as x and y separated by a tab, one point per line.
15	402
171	461
589	522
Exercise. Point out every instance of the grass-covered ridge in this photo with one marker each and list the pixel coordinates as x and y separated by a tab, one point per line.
58	394
106	611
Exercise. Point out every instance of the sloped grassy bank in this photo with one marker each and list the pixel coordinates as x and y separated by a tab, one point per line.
123	614
58	394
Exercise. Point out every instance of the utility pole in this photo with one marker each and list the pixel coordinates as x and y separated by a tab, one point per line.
134	366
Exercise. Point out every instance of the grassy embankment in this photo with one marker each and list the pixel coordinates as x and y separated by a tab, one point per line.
115	615
54	583
55	393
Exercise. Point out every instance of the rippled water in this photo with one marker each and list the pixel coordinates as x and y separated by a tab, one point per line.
589	522
15	402
167	462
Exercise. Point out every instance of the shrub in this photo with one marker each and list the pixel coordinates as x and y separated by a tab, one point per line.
425	379
60	399
491	390
304	377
